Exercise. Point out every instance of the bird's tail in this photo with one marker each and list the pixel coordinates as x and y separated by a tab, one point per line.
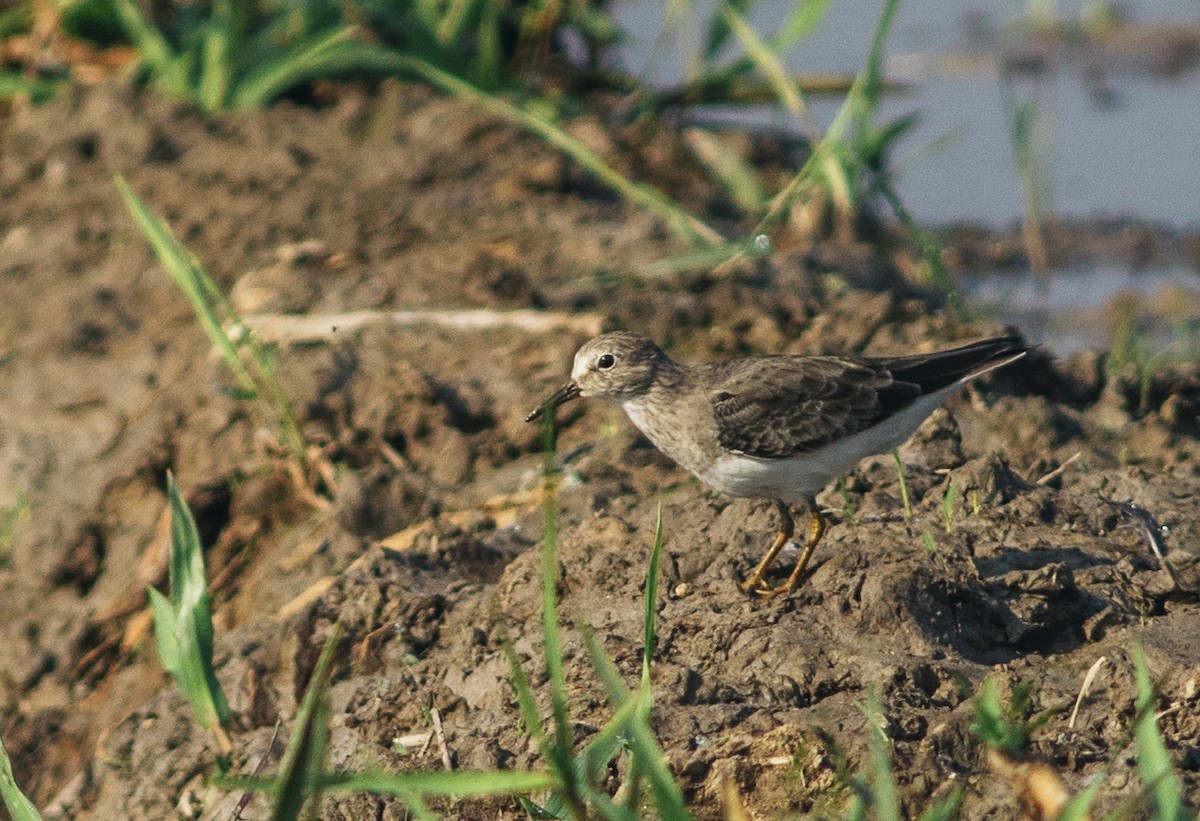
941	369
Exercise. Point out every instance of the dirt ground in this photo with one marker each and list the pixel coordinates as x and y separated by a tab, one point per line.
1065	479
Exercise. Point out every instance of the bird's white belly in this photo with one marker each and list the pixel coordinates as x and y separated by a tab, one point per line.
794	478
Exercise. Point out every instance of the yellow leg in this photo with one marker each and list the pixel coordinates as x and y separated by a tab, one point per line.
787	527
816	530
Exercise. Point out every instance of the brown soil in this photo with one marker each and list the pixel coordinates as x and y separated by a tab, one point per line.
428	556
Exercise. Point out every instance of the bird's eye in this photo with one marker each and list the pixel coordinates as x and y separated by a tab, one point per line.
606	361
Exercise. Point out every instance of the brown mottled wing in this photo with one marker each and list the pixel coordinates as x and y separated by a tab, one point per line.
776	407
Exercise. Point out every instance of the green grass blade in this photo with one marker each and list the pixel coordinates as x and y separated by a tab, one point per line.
1005	728
183	623
737	177
300	771
217	53
431	783
605	745
39	90
552	646
18	806
948	506
325	53
461	784
610	678
860	102
214	312
164	630
908	513
803	21
1079	808
887	804
646	753
679	222
1153	759
591	762
928	541
488	66
558	748
187	274
719	29
947	807
667	797
526	701
152	47
767	62
651	608
864	95
931	253
449	20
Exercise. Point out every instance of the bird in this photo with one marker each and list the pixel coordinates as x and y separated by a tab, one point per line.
775	427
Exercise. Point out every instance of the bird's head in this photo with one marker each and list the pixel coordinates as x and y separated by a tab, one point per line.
617	366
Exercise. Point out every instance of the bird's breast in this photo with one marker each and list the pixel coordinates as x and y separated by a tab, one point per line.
684	432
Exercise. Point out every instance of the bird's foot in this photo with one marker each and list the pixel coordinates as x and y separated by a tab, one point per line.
767	593
753	585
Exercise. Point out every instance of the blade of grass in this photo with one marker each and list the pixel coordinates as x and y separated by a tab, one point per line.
526	702
928	541
651	599
1002	727
1153	759
1079	808
736	176
300	772
948	506
682	224
908	513
487	68
216	56
931	253
441	783
667	797
152	47
325	53
183	624
187	274
947	807
803	21
887	805
38	89
766	61
867	85
19	807
559	747
214	312
590	764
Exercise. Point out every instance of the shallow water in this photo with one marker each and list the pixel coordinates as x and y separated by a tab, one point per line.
1113	141
1113	144
1083	307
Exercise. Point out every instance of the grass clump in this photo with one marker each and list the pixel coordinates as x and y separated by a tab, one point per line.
570	784
1005	728
242	54
873	789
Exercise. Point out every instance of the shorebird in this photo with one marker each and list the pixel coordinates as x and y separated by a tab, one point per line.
774	427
